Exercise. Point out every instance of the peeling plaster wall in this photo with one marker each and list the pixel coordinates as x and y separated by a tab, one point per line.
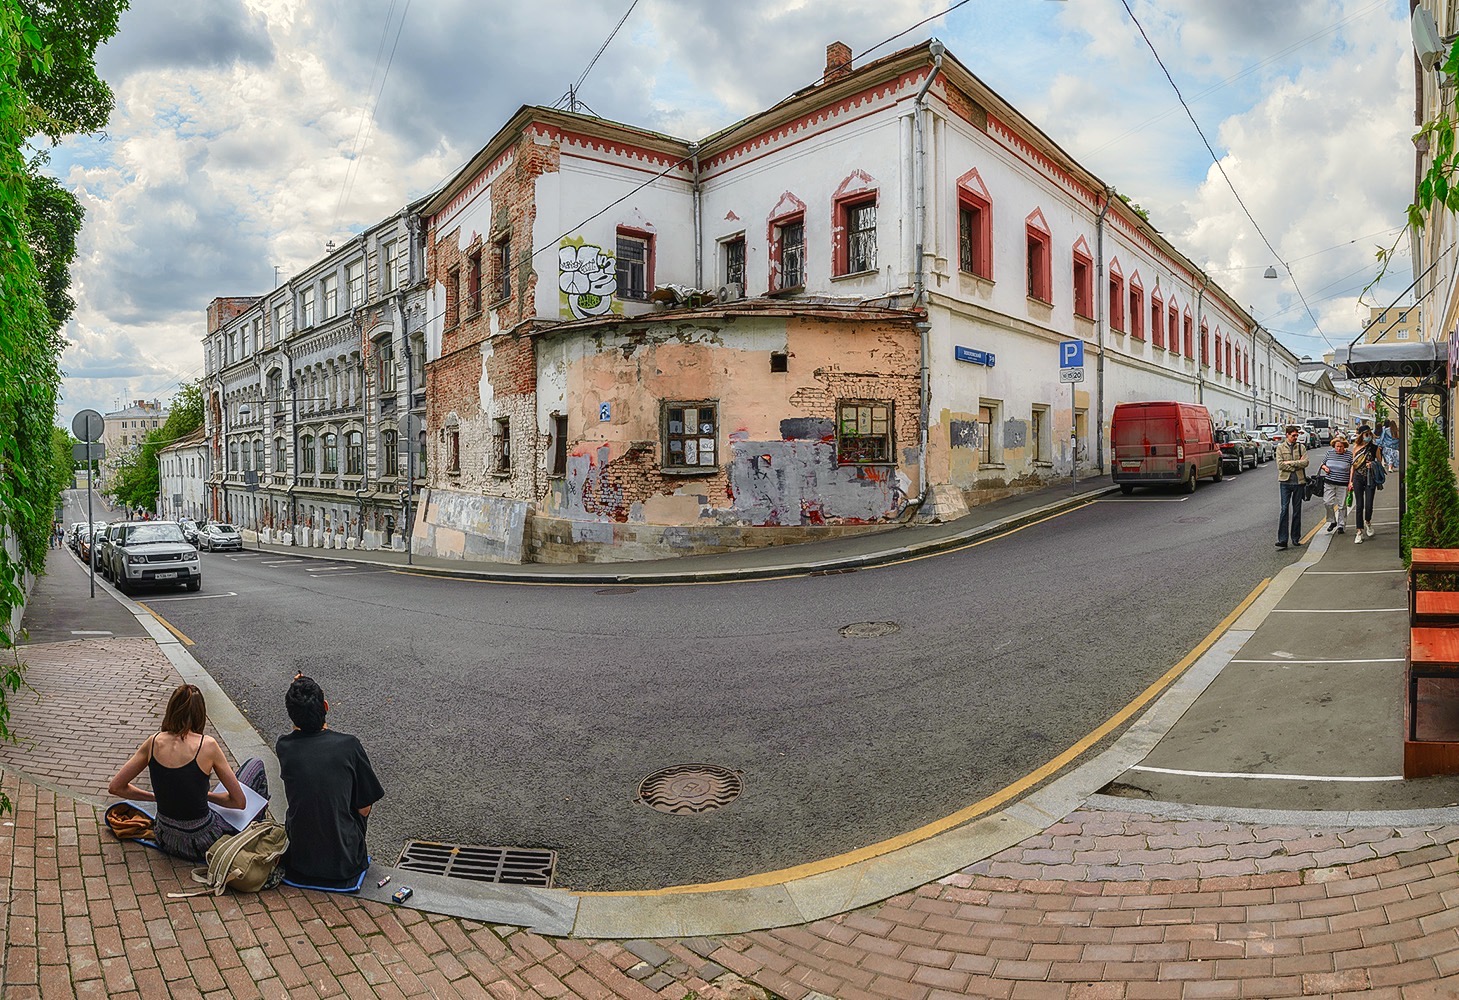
775	435
452	525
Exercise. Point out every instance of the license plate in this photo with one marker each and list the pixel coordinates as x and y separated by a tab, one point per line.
164	576
1130	466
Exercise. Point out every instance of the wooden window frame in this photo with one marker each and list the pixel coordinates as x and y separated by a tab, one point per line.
1038	259
626	291
850	447
844	212
1082	273
777	253
1137	307
669	436
1157	319
1116	292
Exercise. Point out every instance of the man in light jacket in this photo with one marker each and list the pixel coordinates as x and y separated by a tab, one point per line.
1292	481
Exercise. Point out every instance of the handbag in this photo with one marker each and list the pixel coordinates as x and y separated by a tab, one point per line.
246	861
1380	474
127	822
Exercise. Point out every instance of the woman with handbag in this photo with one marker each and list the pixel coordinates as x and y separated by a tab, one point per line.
1336	472
182	763
1364	480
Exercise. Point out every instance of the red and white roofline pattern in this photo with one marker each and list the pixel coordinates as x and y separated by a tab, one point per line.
441	220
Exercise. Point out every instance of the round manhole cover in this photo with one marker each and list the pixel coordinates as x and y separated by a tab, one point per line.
869	630
614	591
687	789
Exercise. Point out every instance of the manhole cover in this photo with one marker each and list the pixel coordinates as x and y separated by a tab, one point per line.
614	591
1192	520
504	865
686	789
869	630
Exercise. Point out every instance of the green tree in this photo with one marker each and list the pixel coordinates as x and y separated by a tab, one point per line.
48	85
1431	515
54	217
137	481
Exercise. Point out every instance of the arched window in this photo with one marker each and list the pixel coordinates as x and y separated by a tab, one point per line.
331	454
354	459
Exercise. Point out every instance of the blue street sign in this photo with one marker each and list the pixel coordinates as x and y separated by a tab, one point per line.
974	357
1071	354
605	411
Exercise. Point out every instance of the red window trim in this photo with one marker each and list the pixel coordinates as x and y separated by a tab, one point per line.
1157	318
776	279
650	253
973	193
1172	329
1116	296
1083	287
841	208
1040	278
1206	345
1219	369
1189	334
1137	307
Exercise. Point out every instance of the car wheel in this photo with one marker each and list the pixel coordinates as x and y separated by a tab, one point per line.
1127	488
194	584
1220	472
1190	481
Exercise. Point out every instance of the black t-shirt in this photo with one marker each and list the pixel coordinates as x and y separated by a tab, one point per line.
328	780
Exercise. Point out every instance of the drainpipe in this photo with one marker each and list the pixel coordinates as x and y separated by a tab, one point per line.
698	221
294	440
1200	352
919	286
1099	310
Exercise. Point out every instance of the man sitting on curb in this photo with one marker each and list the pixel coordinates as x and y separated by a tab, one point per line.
331	787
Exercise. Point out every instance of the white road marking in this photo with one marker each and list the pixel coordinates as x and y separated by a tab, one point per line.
196	597
87	631
1143	500
280	562
323	569
1391	659
358	572
1265	777
1351	572
1335	611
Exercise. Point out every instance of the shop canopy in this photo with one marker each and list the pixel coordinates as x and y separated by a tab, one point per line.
1418	359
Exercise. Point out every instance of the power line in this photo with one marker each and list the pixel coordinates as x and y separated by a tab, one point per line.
352	170
571	97
1217	161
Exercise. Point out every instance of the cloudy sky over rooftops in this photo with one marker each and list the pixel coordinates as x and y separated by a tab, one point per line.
249	132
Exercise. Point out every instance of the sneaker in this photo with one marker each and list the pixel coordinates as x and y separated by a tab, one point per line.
1341	530
1368	532
1330	526
1281	545
1359	539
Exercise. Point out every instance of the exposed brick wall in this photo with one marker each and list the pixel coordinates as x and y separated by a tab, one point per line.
222	309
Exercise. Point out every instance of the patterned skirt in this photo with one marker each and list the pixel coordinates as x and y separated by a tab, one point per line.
191	838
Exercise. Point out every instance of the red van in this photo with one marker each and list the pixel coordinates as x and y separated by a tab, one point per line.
1162	443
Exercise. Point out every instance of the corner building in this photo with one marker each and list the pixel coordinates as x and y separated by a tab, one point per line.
841	312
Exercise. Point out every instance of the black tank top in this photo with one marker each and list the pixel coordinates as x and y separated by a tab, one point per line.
182	792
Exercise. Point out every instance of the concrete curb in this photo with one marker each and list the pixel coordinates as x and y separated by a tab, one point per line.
620	576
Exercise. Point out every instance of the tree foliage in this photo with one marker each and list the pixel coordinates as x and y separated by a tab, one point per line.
54	216
48	84
137	482
1431	514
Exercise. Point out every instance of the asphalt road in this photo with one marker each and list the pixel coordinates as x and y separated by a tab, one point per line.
528	716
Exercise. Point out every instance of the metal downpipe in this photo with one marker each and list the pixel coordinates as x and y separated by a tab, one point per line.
919	285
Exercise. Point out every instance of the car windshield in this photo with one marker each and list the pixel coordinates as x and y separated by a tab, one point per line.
223	529
141	534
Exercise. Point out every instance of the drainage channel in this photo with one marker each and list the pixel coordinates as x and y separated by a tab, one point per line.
476	863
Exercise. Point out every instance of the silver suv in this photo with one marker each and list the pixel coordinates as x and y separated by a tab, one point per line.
152	552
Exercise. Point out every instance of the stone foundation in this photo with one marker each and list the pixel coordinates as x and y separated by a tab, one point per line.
559	540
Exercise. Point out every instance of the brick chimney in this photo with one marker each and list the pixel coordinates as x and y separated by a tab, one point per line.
838	62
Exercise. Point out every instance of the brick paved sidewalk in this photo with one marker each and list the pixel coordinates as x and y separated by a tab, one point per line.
86	916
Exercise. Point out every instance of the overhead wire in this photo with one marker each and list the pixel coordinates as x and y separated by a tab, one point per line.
571	95
362	136
1222	169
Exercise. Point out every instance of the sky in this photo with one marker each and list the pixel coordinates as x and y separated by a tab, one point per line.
247	133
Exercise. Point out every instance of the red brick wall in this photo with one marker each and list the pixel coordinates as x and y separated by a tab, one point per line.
221	310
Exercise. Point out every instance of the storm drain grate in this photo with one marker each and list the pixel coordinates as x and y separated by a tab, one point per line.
503	865
869	630
687	789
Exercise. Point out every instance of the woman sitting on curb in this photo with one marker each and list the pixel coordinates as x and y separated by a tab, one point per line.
182	762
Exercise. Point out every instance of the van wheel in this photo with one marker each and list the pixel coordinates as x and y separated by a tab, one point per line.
1220	473
1127	488
1190	481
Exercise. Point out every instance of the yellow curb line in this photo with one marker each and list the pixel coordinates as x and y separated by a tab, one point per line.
167	625
978	808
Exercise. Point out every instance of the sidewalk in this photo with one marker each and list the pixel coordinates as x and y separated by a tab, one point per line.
1064	893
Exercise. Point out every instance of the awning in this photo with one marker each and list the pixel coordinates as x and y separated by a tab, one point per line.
1417	359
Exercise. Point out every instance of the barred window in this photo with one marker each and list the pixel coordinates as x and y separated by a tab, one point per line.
633	266
791	237
861	237
863	432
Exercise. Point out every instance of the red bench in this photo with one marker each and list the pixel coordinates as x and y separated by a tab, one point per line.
1433	655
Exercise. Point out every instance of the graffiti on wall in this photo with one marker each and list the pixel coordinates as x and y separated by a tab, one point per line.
587	278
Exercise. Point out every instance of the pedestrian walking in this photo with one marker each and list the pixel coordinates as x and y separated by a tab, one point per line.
1292	482
1388	443
1363	481
1336	471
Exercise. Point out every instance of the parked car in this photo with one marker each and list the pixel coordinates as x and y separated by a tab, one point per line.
1270	432
189	529
1162	443
72	540
217	536
84	537
101	545
1266	448
152	552
1237	450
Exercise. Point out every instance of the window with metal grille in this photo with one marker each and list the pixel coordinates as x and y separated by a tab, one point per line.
306	453
633	266
690	435
860	221
863	432
331	454
501	444
790	238
502	259
390	451
559	445
354	455
734	261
